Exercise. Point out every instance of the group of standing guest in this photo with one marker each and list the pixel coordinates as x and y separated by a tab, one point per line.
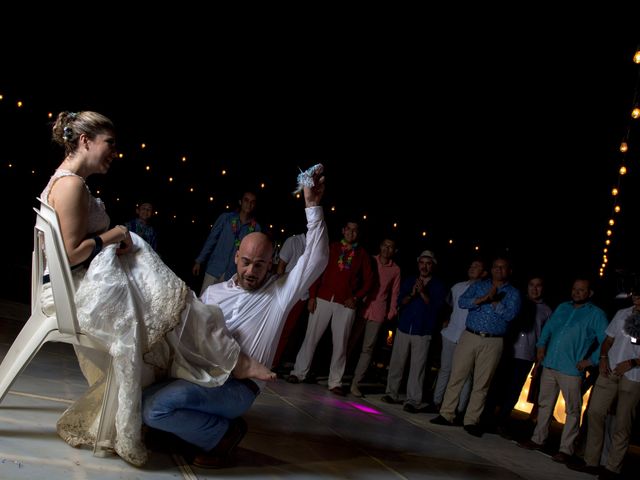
493	339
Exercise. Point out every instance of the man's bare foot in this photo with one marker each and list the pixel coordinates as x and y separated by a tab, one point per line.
247	367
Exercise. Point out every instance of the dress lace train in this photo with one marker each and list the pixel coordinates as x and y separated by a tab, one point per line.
132	304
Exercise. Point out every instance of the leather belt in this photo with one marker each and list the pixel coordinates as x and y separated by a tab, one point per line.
251	385
483	334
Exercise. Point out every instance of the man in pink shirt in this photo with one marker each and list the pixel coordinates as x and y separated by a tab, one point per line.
381	307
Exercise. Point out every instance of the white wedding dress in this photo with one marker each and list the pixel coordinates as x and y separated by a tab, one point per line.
153	326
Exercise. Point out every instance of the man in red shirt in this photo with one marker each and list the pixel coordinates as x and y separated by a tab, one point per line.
334	298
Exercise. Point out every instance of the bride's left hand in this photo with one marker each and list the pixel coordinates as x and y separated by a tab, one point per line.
125	246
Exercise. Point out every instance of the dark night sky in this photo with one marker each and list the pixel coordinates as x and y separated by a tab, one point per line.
506	140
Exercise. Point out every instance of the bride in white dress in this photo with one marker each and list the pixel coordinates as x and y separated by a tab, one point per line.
127	298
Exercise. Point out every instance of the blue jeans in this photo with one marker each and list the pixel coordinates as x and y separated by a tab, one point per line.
199	415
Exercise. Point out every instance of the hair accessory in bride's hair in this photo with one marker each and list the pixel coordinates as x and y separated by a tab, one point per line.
72	115
67	133
305	179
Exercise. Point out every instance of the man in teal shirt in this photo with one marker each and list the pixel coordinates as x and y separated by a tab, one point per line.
563	350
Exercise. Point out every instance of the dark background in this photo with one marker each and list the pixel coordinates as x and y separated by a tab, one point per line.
497	141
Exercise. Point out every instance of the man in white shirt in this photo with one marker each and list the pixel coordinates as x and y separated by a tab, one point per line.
619	379
451	332
255	306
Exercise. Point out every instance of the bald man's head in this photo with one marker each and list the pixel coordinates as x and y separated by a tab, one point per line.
253	260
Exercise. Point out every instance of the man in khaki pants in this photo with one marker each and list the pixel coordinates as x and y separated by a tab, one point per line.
492	304
619	377
564	344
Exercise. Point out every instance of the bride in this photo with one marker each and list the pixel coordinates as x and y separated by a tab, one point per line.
152	324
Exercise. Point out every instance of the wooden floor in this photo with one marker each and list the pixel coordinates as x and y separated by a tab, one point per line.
295	431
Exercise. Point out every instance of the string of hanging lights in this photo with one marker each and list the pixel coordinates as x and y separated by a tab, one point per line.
623	170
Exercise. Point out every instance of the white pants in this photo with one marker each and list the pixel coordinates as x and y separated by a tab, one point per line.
341	319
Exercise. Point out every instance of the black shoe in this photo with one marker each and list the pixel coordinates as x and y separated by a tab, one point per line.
166	442
432	408
458	420
293	379
607	474
504	432
440	420
530	445
222	455
475	430
584	468
409	407
389	399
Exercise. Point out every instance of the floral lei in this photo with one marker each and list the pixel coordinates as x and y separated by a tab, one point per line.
349	250
236	227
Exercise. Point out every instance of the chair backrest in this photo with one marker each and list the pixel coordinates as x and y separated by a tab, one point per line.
48	227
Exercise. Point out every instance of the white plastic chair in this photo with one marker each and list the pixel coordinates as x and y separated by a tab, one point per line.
61	327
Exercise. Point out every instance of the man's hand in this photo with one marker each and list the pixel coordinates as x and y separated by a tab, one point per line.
311	305
350	303
313	195
417	287
623	367
583	364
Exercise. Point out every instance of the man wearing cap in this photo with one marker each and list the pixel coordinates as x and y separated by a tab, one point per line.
420	299
492	304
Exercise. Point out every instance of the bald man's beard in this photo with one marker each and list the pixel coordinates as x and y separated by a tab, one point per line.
251	282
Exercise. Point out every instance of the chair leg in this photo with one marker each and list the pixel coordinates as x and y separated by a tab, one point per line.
32	336
104	437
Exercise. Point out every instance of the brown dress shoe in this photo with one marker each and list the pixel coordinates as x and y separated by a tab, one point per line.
561	457
222	455
338	391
